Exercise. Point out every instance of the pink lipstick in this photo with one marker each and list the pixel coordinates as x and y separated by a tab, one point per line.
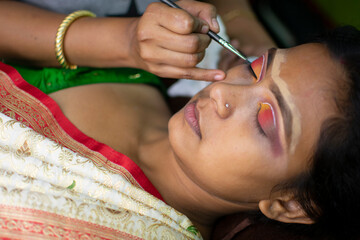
192	117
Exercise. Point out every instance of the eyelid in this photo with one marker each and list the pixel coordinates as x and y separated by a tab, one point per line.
267	122
255	66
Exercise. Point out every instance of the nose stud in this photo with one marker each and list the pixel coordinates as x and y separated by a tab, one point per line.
227	105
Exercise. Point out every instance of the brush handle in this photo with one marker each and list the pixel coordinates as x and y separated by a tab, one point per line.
170	3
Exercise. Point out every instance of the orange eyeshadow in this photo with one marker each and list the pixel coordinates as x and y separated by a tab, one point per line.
266	119
258	67
267	122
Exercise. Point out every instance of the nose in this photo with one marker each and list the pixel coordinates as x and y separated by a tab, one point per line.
222	96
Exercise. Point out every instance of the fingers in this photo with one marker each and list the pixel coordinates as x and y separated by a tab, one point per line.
165	56
203	11
171	42
178	20
191	43
189	73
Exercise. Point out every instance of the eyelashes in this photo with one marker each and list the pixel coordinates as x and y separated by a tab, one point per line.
265	119
258	67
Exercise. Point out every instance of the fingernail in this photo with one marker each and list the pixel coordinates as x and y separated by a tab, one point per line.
218	77
204	28
215	23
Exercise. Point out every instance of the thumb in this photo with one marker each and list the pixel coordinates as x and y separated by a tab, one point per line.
200	26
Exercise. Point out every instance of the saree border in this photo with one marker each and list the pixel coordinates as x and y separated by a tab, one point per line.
29	105
17	222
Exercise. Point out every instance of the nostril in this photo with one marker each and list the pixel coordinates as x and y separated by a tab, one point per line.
215	103
222	108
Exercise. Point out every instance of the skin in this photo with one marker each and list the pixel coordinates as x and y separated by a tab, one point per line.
167	42
275	75
232	167
221	127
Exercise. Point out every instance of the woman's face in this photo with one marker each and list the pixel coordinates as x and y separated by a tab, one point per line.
238	138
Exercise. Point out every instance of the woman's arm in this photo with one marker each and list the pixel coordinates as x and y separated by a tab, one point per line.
167	42
28	35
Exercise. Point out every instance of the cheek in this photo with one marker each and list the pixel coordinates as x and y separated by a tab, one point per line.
229	145
184	143
237	172
239	148
233	165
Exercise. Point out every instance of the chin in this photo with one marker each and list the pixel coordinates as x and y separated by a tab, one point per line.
179	138
174	126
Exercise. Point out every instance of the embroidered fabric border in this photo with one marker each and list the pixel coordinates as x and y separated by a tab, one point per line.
39	174
16	222
27	104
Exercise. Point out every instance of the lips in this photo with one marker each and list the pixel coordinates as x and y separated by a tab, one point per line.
192	117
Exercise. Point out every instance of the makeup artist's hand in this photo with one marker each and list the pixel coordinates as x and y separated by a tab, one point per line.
170	42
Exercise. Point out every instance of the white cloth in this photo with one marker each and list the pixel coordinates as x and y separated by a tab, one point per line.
37	173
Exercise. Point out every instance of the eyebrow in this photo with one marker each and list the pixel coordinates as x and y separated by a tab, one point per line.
284	107
270	57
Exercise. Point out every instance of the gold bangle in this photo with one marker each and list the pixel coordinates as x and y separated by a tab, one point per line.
236	13
60	35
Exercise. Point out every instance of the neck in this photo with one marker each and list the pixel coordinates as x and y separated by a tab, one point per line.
159	164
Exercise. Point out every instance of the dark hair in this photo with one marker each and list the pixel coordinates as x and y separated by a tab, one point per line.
330	192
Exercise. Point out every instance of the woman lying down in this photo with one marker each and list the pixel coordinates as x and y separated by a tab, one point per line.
108	160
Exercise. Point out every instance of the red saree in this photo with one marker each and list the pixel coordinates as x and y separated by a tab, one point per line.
27	104
56	182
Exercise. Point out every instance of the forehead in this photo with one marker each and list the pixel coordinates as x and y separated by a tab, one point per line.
310	74
311	59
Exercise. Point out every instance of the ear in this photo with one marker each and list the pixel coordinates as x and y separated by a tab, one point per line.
284	209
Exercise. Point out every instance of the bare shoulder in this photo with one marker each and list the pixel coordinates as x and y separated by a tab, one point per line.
115	114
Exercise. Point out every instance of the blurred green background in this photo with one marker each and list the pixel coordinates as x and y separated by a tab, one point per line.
293	22
341	12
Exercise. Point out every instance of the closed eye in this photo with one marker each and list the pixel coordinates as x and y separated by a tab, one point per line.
266	120
258	67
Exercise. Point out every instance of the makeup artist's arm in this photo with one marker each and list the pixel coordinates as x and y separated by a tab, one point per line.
242	25
28	37
164	41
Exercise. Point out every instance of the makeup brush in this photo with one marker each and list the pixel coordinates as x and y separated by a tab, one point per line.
217	38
